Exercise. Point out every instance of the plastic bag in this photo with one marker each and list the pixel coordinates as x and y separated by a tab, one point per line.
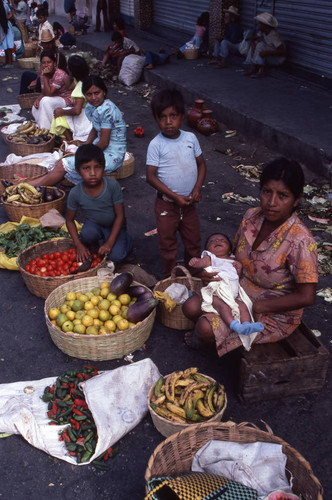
117	400
179	293
52	219
131	69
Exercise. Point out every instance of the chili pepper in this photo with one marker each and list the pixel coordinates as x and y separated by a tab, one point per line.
80	440
80	417
52	389
50	415
71	434
72	453
89	447
65	437
100	465
80	402
86	456
89	436
78	412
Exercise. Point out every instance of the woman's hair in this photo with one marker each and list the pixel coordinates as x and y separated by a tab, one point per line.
89	152
216	234
93	80
287	171
41	12
166	98
58	26
48	53
78	67
3	18
116	35
120	23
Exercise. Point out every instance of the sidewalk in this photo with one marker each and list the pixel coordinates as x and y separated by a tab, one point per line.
287	114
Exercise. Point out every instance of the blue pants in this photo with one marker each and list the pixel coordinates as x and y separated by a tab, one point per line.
155	59
94	235
26	78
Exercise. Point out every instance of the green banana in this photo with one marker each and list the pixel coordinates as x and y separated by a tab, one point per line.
189	389
170	385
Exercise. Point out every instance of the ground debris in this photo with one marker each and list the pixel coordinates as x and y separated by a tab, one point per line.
326	293
250	200
251	172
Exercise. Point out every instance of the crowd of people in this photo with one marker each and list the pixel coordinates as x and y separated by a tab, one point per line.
261	285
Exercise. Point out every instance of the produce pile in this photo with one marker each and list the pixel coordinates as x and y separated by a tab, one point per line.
67	405
24	193
29	133
187	397
3	113
17	240
110	308
59	264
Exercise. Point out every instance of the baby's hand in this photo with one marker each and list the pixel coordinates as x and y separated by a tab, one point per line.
194	262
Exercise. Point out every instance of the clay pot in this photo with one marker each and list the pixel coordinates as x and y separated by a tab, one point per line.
195	112
207	125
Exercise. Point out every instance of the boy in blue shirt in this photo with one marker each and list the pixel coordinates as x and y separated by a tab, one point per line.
176	169
100	200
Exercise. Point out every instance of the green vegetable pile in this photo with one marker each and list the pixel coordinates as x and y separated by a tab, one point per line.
17	240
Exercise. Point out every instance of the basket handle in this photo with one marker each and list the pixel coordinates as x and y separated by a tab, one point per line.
185	272
253	426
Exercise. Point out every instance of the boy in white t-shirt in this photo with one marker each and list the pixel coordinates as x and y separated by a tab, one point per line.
176	169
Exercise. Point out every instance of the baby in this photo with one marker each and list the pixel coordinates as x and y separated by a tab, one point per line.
226	297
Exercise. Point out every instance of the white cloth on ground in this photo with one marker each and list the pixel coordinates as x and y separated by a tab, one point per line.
44	114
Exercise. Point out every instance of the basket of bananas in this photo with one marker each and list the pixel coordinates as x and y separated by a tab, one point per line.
29	138
24	199
183	398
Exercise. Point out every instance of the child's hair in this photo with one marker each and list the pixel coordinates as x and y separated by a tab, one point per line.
119	23
41	12
72	9
78	67
48	53
200	21
88	152
33	5
287	171
93	80
221	234
116	35
58	26
205	18
166	98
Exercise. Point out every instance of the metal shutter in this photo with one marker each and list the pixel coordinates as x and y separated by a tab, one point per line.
180	15
127	8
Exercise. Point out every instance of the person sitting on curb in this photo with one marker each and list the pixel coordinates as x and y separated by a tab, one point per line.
230	42
153	59
267	47
118	50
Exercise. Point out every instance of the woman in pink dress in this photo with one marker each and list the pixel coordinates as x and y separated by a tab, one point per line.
279	264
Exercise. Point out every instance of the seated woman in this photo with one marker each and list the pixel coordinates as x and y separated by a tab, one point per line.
118	50
65	38
267	47
108	133
279	264
54	90
72	123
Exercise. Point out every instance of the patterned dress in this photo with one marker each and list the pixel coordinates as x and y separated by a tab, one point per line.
286	257
105	116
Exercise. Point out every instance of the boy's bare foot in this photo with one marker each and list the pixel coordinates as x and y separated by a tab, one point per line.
192	341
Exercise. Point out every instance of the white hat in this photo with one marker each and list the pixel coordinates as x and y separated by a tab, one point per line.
267	18
233	10
46	36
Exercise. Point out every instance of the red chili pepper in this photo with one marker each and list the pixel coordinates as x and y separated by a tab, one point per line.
71	385
52	389
80	402
80	440
50	414
108	452
64	385
65	437
52	423
75	424
78	412
54	407
72	453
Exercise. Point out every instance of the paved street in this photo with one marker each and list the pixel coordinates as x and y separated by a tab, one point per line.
27	351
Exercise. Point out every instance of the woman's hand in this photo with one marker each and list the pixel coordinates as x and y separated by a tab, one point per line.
83	252
209	277
33	84
104	249
269	323
58	112
36	103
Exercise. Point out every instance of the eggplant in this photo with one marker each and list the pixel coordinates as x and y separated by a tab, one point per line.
43	193
48	196
6	183
141	309
121	283
144	296
38	188
136	290
2	114
56	193
33	140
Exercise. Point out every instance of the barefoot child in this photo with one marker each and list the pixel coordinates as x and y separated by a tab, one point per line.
100	200
176	169
225	297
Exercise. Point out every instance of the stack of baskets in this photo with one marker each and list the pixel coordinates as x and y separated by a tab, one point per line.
27	62
25	171
191	54
30	49
176	319
174	456
16	212
26	101
42	286
94	347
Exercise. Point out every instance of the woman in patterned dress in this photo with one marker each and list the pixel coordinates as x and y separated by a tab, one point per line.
279	263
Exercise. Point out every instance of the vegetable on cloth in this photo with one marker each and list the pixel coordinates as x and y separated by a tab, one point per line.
24	411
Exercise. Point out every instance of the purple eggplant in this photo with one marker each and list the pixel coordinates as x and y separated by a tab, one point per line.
141	309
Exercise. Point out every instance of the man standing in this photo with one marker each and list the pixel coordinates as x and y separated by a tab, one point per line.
20	12
102	7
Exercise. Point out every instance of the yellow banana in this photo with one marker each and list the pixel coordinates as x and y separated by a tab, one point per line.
13	197
189	389
189	371
163	412
160	400
184	382
170	385
191	402
208	398
203	410
200	378
176	409
30	188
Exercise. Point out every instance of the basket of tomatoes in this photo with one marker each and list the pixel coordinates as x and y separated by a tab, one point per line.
49	264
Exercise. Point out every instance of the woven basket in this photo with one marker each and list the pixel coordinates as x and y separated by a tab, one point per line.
26	100
167	428
95	347
25	170
29	51
36	65
174	456
69	153
191	53
24	149
26	62
16	212
176	319
126	170
42	286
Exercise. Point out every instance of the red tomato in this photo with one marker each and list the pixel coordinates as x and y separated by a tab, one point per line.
43	269
51	256
38	273
65	257
45	256
57	255
28	268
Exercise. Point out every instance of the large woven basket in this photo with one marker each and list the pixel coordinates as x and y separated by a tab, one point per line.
42	286
191	53
126	170
24	149
29	51
27	62
167	428
26	101
174	455
176	319
25	171
95	347
16	212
